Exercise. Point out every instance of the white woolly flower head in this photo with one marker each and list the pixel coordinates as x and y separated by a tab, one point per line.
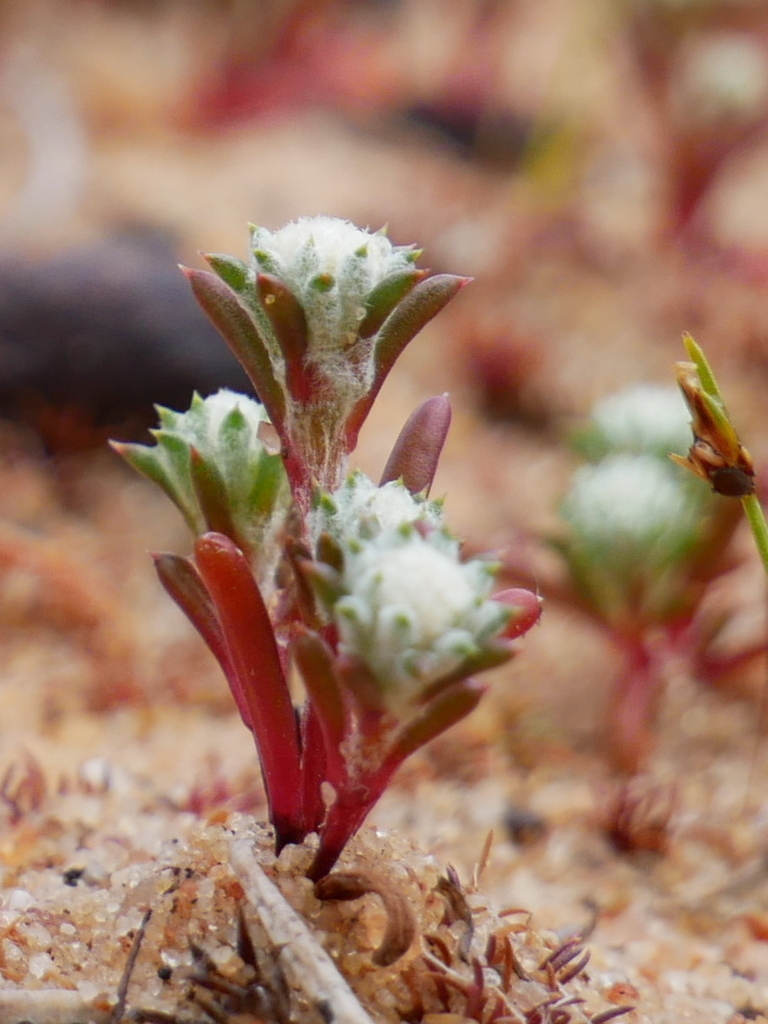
629	499
360	509
633	525
721	76
644	418
331	267
225	430
413	612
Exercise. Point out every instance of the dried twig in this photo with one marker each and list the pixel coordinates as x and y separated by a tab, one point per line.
307	966
130	963
51	1006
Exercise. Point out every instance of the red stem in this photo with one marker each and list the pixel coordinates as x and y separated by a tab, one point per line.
633	705
345	817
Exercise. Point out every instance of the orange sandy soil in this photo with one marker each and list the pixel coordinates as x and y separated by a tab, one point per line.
123	769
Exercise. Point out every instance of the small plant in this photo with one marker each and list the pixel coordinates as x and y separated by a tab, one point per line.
303	569
635	534
640	547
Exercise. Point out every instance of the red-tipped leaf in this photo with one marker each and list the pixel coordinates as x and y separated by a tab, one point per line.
423	303
526	610
385	296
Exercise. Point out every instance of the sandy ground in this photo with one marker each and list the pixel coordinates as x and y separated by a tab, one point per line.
126	781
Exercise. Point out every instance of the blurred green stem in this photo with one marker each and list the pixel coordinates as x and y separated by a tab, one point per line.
756	519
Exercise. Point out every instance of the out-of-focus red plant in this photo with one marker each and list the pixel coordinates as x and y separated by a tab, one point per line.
704	70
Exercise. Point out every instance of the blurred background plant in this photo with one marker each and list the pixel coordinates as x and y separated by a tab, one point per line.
641	547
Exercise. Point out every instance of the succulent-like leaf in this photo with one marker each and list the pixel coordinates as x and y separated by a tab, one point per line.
231	270
416	451
325	580
526	610
289	325
493	654
329	552
315	661
167	465
385	296
183	583
237	325
423	303
448	708
211	492
255	660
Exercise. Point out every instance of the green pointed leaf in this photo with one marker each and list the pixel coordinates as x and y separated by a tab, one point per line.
211	492
231	270
704	370
385	296
166	465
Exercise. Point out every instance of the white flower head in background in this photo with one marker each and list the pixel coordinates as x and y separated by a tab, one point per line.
644	418
632	502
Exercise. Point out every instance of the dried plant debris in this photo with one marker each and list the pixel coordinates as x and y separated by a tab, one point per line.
401	924
258	988
214	929
637	817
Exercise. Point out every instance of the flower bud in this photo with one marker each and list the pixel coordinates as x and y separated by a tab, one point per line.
211	463
359	510
643	419
415	614
331	267
633	525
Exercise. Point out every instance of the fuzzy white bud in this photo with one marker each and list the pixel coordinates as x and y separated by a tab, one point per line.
360	509
413	612
629	499
644	418
331	267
